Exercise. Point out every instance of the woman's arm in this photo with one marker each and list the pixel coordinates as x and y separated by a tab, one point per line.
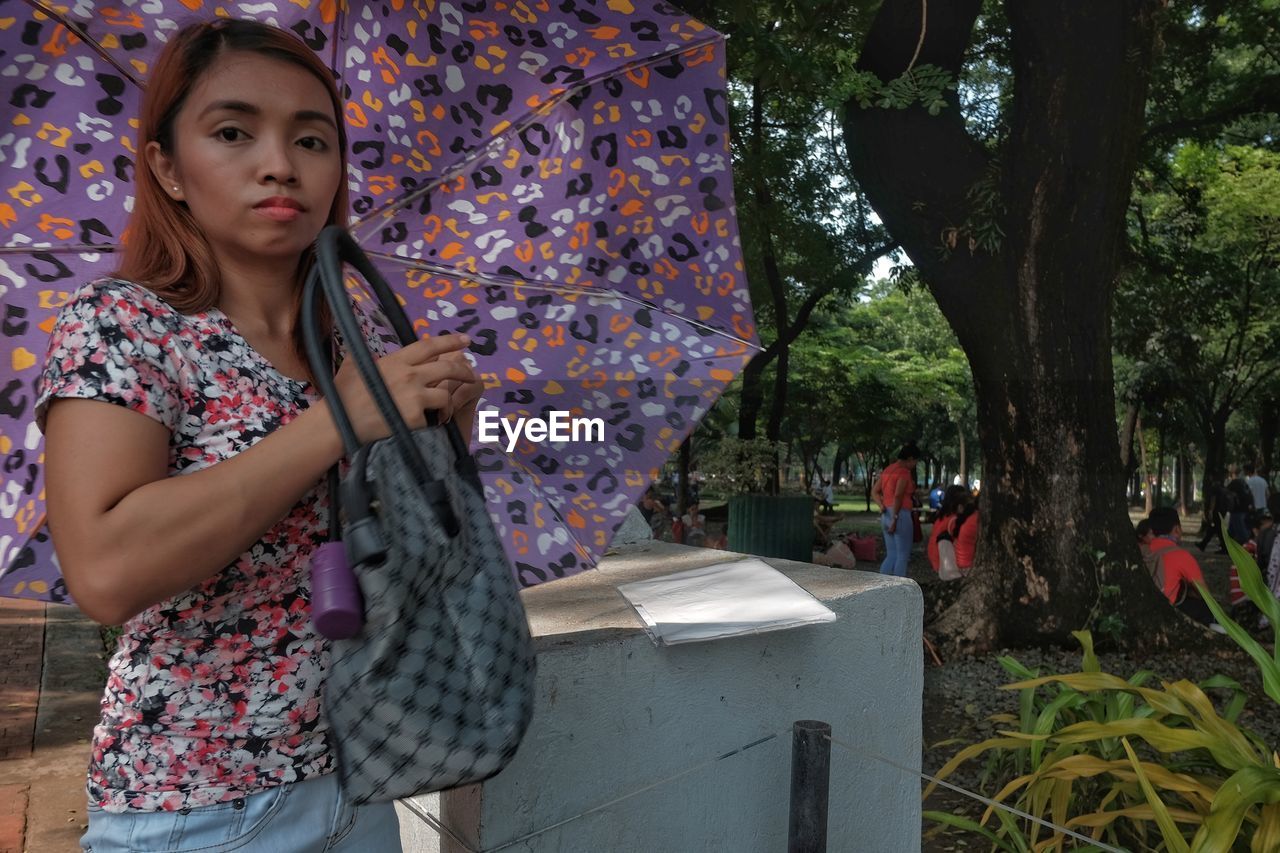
128	535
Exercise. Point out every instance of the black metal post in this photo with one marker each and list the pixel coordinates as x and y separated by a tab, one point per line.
810	786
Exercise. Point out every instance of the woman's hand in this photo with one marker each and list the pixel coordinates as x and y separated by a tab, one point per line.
422	376
463	396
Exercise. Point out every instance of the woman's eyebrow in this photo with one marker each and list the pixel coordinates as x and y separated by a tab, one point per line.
250	109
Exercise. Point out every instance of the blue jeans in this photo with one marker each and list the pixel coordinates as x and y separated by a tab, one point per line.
300	817
897	545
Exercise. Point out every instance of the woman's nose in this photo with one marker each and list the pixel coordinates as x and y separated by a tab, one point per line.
277	164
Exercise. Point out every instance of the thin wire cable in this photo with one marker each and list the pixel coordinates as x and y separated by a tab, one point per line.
434	822
975	796
648	787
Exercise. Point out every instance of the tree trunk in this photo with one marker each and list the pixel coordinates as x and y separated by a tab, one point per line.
1142	467
964	459
1184	479
1160	467
752	397
1215	449
773	431
1268	426
682	495
1126	434
1034	317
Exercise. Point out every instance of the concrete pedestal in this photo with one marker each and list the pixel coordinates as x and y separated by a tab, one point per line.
615	714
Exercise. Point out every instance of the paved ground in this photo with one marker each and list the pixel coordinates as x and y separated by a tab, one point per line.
52	668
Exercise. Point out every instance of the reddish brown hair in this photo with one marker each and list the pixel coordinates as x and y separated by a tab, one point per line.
165	250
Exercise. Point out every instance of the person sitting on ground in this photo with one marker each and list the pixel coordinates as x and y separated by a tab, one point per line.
952	504
694	525
828	497
1261	546
1173	568
1143	531
1264	535
966	533
655	512
936	496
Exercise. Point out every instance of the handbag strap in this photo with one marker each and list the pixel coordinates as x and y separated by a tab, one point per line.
334	246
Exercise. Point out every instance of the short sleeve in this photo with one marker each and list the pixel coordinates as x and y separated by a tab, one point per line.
110	342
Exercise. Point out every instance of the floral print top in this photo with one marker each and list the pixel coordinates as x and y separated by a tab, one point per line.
214	693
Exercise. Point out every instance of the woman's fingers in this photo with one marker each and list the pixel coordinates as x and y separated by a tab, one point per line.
430	349
444	373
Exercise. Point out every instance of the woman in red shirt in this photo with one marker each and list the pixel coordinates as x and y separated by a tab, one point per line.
954	503
893	490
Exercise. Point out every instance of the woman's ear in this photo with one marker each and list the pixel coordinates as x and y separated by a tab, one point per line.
164	169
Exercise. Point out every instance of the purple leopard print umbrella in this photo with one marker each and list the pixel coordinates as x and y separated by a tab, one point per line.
551	179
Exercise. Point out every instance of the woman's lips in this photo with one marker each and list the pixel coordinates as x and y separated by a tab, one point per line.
279	214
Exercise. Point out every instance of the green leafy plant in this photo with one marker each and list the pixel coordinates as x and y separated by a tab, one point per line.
740	466
926	85
1127	764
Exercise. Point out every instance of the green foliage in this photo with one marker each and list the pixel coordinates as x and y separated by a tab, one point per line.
1196	779
1257	591
1197	314
926	85
737	466
871	374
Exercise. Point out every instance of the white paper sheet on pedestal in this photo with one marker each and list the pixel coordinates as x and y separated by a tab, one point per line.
725	600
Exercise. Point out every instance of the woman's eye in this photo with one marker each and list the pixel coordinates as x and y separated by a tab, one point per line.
229	134
313	143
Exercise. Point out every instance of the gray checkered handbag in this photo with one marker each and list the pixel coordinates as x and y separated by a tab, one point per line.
436	689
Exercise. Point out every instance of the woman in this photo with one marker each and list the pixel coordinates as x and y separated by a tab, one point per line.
965	530
893	490
954	501
186	453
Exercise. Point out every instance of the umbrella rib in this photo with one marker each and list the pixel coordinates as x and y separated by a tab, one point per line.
339	21
480	151
82	249
554	287
80	33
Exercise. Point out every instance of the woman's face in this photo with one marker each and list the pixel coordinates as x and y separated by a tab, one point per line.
256	157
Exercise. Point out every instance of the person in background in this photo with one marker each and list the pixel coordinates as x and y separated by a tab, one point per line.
936	496
1217	503
694	525
1258	488
893	490
953	503
1241	504
656	513
966	534
1264	536
1174	569
828	496
1143	531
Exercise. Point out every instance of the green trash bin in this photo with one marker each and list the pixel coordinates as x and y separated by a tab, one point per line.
772	526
